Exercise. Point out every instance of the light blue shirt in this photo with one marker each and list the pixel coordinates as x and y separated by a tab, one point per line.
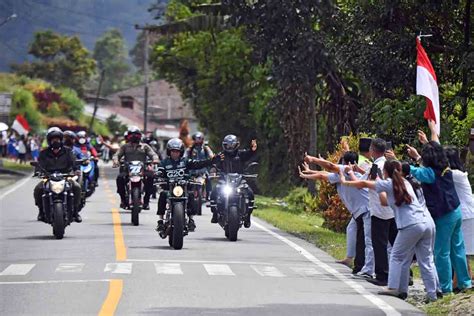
356	200
405	214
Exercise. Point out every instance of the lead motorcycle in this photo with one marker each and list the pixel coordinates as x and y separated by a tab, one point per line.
58	199
232	201
176	219
134	188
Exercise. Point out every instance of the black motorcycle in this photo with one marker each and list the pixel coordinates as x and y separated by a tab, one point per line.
134	188
232	201
58	199
175	219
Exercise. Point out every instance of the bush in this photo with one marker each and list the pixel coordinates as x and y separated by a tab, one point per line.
23	102
75	106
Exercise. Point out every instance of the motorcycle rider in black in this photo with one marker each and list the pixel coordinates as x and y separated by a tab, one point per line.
177	161
57	158
134	150
199	151
233	161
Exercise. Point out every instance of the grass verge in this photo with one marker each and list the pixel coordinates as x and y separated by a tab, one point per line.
303	225
14	166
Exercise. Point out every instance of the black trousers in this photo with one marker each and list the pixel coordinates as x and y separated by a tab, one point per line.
359	259
122	180
383	232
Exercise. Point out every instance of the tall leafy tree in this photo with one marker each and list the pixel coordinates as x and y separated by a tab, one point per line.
111	56
61	60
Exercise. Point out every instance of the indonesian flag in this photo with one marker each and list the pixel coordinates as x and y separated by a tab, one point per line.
21	125
426	85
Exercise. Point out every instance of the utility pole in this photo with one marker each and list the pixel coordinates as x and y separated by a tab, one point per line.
145	29
102	73
145	70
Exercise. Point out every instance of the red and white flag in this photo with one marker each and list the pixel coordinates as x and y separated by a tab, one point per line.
427	85
21	125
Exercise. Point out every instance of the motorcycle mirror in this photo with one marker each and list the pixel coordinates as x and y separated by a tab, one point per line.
252	164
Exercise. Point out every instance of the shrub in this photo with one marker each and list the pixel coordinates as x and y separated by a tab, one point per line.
75	106
23	102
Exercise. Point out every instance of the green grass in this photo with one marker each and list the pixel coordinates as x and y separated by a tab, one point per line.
304	225
14	166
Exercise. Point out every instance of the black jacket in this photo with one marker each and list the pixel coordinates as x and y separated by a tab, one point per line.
64	161
235	163
178	168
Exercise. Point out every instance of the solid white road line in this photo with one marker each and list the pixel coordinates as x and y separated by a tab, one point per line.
15	187
54	281
385	307
218	269
17	269
119	268
70	267
306	271
168	268
268	271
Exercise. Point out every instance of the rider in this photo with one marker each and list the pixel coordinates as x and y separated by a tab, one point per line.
233	161
84	145
57	157
70	141
177	161
134	150
200	151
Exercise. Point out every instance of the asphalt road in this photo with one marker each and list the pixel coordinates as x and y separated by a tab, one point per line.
104	266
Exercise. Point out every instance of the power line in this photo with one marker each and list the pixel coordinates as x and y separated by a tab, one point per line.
82	13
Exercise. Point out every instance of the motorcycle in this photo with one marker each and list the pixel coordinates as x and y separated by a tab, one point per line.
199	191
232	201
88	176
58	199
134	188
175	219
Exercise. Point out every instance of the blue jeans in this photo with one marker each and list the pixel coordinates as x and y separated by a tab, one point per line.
450	252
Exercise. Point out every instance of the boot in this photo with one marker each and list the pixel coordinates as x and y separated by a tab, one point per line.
214	218
191	225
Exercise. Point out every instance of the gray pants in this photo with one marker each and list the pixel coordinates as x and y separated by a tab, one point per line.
351	238
416	239
369	251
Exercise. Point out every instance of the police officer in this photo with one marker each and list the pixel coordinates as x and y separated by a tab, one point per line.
232	160
57	158
134	150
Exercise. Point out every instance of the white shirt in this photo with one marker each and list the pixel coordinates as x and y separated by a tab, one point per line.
375	206
21	147
464	191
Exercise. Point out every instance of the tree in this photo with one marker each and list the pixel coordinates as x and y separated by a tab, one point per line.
111	56
61	60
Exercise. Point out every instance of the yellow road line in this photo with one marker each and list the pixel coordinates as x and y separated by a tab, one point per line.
120	250
115	286
113	298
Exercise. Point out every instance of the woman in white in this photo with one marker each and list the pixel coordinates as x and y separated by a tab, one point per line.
464	191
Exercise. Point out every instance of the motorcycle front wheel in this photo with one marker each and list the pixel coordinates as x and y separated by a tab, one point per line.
233	223
178	226
136	199
58	220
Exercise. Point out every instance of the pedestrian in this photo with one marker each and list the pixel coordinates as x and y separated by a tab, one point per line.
445	208
415	234
11	147
355	200
3	144
383	226
464	191
34	148
21	148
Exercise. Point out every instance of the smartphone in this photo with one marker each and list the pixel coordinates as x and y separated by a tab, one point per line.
373	172
389	145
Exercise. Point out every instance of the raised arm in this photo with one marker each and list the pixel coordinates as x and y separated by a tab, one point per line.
325	164
314	175
433	131
360	184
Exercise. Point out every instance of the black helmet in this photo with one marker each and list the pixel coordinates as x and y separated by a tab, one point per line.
54	132
175	144
230	143
70	134
198	135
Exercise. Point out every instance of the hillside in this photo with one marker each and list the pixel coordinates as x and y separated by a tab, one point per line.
86	18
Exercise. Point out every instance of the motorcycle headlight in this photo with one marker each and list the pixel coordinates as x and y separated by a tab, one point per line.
227	190
58	186
178	191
